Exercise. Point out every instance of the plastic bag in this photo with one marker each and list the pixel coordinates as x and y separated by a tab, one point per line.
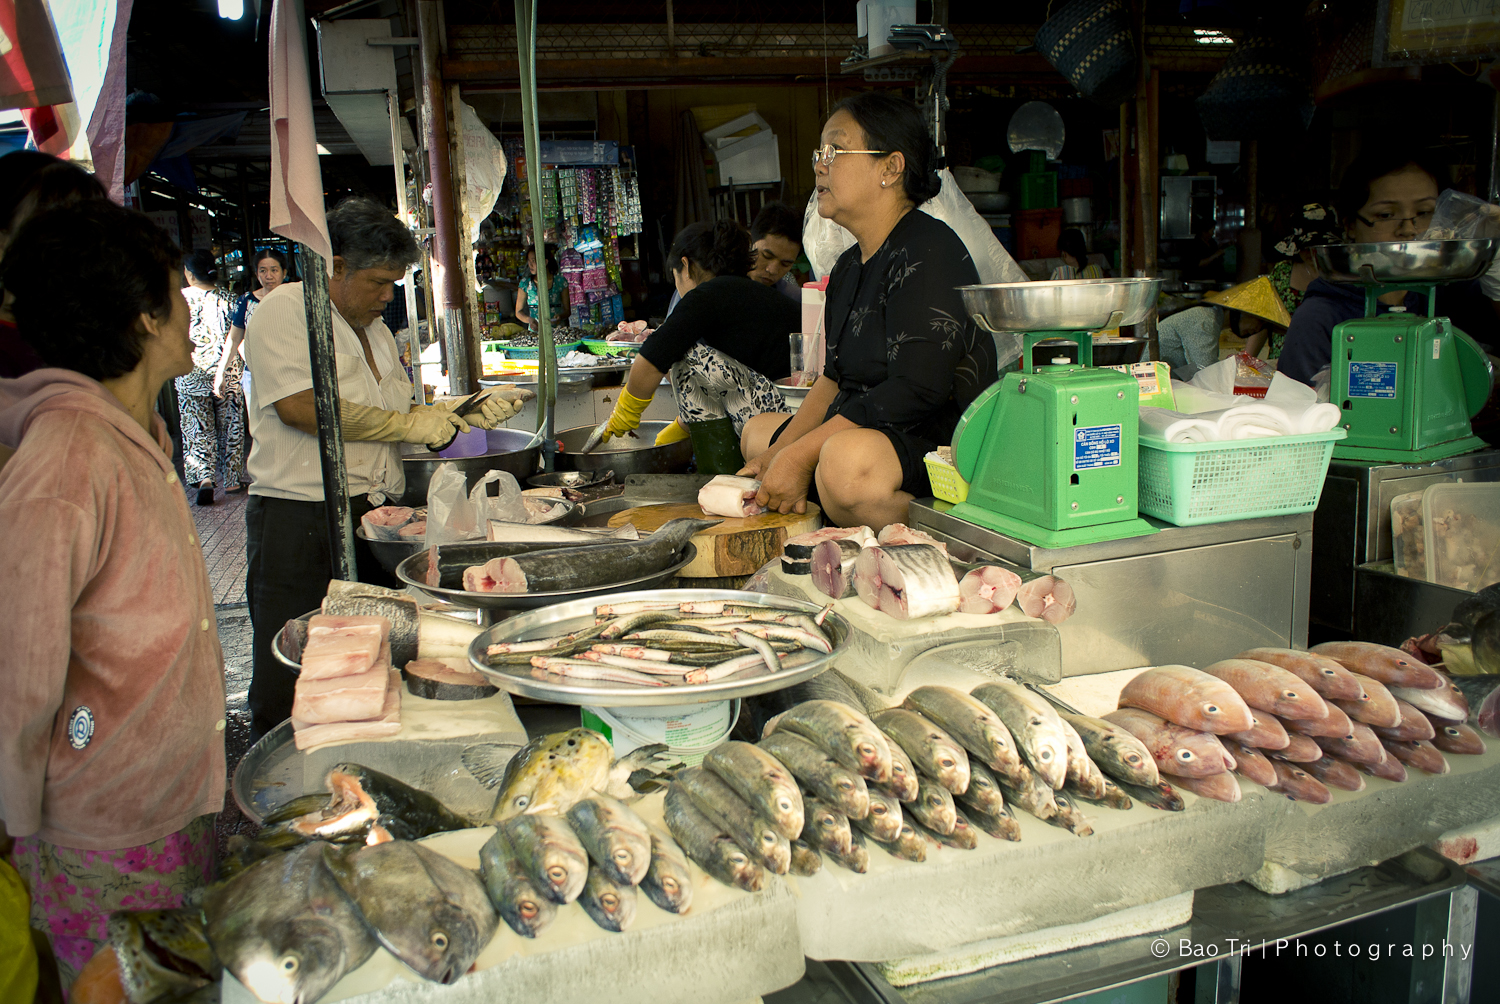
507	505
1240	374
451	516
824	240
1462	217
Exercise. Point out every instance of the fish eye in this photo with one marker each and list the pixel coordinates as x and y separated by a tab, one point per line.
669	884
877	809
1212	709
865	749
622	856
738	860
786	804
846	785
1290	695
1450	730
557	873
522	801
1327	672
934	800
1133	759
528	909
946	762
439	940
1186	756
1035	720
572	742
1046	754
610	901
289	964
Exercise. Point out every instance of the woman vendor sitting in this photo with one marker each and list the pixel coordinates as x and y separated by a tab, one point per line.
1387	195
723	347
903	358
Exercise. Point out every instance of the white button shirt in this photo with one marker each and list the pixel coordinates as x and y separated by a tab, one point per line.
284	461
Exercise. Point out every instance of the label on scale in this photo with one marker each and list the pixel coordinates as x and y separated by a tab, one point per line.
1096	446
1376	380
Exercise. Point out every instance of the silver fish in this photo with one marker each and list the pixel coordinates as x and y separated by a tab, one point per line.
983	792
668	882
615	837
805	859
760	779
1033	724
933	808
514	895
936	754
284	928
819	773
707	844
970	722
847	735
550	853
826	828
429	912
720	803
858	858
611	904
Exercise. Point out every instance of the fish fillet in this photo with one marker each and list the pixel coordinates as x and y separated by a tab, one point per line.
833	566
906	581
386	522
350	698
725	496
801	547
1047	597
387	723
987	590
344	650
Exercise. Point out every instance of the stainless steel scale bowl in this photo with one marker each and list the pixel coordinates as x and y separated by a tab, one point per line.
1060	304
1405	261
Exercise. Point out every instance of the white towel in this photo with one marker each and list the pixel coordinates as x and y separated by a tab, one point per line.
1176	427
1251	421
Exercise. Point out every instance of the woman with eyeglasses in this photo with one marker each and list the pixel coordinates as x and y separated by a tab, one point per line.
903	358
1387	194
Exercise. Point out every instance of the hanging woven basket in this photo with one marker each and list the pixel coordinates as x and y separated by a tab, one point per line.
1261	93
1091	43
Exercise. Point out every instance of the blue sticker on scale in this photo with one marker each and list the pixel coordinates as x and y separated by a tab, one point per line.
1096	446
1372	380
80	727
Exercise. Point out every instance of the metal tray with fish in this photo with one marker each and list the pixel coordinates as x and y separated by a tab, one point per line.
454	558
391	553
575	615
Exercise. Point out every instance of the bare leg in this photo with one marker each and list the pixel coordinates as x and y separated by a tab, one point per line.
756	439
859	480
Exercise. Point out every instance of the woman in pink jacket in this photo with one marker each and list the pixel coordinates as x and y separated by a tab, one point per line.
111	730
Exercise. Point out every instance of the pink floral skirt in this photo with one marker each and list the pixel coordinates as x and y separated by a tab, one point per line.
73	892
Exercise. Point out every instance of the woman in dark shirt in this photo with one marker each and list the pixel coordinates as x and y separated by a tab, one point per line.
903	358
723	346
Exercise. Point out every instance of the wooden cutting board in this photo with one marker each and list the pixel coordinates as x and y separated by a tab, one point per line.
737	546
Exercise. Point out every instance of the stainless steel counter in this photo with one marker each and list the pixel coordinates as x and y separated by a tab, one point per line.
1227	919
1181	595
1353	523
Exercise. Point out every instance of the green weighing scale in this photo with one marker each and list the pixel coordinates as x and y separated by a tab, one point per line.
1407	385
1050	452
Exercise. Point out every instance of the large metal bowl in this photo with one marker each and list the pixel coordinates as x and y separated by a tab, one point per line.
1386	262
454	558
1059	304
564	617
625	455
391	553
476	453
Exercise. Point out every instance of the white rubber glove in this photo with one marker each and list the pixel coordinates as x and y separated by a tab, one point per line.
434	427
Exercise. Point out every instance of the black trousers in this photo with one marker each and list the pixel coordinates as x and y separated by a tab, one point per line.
287	575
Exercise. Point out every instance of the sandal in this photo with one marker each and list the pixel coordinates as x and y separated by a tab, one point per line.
206	493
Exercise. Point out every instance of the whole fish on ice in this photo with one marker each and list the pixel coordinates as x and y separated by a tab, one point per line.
1188	697
1327	676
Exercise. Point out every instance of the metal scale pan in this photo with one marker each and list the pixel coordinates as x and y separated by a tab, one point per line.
1387	262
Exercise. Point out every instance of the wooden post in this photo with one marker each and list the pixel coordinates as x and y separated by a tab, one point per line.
449	295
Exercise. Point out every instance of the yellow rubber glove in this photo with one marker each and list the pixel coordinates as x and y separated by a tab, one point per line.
433	427
676	432
627	415
495	408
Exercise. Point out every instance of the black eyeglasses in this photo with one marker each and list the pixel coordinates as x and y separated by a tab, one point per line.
1391	224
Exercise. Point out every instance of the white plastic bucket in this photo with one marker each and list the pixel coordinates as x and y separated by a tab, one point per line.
688	730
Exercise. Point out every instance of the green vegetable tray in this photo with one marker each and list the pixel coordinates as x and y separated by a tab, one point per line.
534	351
600	347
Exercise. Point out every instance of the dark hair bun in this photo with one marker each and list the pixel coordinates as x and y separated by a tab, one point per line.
202	264
894	123
721	248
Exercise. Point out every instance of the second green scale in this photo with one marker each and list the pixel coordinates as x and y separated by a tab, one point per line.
1050	452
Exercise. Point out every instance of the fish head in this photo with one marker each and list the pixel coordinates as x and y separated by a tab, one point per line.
874	758
439	941
1185	757
552	773
671	886
526	910
293	963
564	871
826	823
747	874
1002	751
629	855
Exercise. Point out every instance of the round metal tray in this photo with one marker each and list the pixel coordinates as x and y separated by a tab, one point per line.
570	479
280	641
1387	262
561	618
1059	304
454	558
391	553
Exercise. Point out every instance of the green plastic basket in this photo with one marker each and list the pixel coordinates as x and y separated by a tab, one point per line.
1187	484
600	347
535	351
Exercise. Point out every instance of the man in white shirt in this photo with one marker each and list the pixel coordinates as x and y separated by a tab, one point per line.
286	529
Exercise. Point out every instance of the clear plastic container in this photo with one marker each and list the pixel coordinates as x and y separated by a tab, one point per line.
1409	548
1461	534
